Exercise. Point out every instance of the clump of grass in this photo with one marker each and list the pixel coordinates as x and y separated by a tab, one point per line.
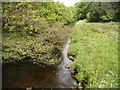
96	48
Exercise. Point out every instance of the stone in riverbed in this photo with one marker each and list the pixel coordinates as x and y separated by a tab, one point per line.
77	85
74	72
71	58
67	66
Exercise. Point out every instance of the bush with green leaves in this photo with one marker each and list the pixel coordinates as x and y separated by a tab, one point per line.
32	17
35	31
43	48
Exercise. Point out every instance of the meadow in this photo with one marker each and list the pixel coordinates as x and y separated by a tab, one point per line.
95	47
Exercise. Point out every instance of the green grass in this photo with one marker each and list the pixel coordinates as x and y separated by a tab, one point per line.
96	48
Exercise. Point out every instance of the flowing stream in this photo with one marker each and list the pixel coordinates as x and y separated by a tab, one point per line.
26	74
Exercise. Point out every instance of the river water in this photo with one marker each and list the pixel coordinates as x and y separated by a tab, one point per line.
26	74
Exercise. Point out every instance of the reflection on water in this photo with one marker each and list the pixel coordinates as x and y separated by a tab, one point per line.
64	75
26	74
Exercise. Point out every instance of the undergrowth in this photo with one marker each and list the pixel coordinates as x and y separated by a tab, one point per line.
44	47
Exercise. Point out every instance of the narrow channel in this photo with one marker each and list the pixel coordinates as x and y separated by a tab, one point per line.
26	74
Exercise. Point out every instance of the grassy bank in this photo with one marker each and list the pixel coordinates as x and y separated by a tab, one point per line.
95	46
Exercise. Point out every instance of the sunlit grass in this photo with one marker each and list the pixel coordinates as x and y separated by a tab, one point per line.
96	48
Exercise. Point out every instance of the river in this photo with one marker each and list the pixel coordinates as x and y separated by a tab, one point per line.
26	74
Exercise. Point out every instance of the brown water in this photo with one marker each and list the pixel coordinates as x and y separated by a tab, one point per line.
26	74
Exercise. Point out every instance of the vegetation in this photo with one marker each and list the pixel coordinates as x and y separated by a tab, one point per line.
35	31
44	48
95	47
97	11
32	17
81	10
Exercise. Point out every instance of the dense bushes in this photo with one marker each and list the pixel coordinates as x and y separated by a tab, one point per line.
32	17
35	31
22	18
43	48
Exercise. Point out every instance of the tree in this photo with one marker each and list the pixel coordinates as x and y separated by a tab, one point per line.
32	17
82	8
103	11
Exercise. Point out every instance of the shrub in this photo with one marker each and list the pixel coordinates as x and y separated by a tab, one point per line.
43	48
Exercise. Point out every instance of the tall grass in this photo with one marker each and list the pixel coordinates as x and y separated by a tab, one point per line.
96	48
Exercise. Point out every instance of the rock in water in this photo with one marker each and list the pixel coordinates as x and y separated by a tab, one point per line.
71	58
67	66
74	72
78	86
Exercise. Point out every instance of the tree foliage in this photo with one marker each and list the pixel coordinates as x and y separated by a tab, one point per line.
82	9
105	11
32	17
97	11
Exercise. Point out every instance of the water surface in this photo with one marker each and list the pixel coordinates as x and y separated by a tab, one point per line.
26	74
